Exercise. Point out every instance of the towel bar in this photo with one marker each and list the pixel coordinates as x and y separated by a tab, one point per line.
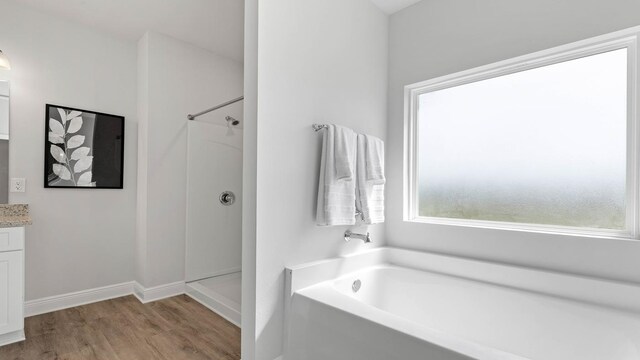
318	127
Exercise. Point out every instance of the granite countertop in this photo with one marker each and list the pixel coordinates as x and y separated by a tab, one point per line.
14	215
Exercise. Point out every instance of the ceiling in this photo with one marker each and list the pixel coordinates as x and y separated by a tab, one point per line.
392	6
215	25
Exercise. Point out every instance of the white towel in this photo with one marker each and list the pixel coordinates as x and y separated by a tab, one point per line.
345	143
370	193
336	196
374	148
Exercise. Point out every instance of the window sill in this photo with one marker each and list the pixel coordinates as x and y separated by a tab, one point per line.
529	228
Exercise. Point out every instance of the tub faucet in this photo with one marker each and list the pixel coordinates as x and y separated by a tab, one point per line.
348	235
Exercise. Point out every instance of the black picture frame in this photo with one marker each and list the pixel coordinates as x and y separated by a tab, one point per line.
84	149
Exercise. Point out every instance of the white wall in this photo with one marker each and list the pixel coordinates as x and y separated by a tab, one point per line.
80	239
177	78
439	37
317	61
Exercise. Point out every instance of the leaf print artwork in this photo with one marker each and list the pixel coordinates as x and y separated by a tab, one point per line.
55	139
56	127
79	153
75	125
73	114
71	165
85	179
83	164
63	115
58	153
62	171
75	141
83	148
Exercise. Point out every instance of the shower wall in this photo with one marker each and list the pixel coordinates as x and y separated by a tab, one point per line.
214	165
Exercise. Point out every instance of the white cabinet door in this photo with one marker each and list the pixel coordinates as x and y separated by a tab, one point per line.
11	291
4	117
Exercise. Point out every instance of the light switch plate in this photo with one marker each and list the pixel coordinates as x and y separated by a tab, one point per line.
18	185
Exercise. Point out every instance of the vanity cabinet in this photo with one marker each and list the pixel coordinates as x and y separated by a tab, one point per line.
11	285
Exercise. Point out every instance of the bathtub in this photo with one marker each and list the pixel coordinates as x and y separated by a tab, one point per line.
399	304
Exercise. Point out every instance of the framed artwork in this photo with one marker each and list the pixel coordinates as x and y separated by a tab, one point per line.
83	149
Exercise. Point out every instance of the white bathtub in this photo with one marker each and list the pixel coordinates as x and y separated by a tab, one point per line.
401	312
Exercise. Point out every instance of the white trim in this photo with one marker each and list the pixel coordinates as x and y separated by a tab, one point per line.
633	138
219	305
84	297
619	40
78	298
12	337
155	293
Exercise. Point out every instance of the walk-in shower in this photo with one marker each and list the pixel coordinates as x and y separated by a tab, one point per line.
214	208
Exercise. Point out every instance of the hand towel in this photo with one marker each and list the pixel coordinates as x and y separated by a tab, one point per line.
336	196
374	148
345	143
369	193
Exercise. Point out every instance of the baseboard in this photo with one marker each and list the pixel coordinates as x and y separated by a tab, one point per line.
146	295
78	298
65	301
218	306
12	337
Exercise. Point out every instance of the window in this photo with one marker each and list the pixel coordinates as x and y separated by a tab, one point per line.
541	142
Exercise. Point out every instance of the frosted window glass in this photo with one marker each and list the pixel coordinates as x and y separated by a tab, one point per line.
541	146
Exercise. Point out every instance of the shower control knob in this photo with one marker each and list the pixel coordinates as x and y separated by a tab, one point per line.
227	198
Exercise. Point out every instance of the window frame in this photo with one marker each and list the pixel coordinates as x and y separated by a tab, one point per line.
615	41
